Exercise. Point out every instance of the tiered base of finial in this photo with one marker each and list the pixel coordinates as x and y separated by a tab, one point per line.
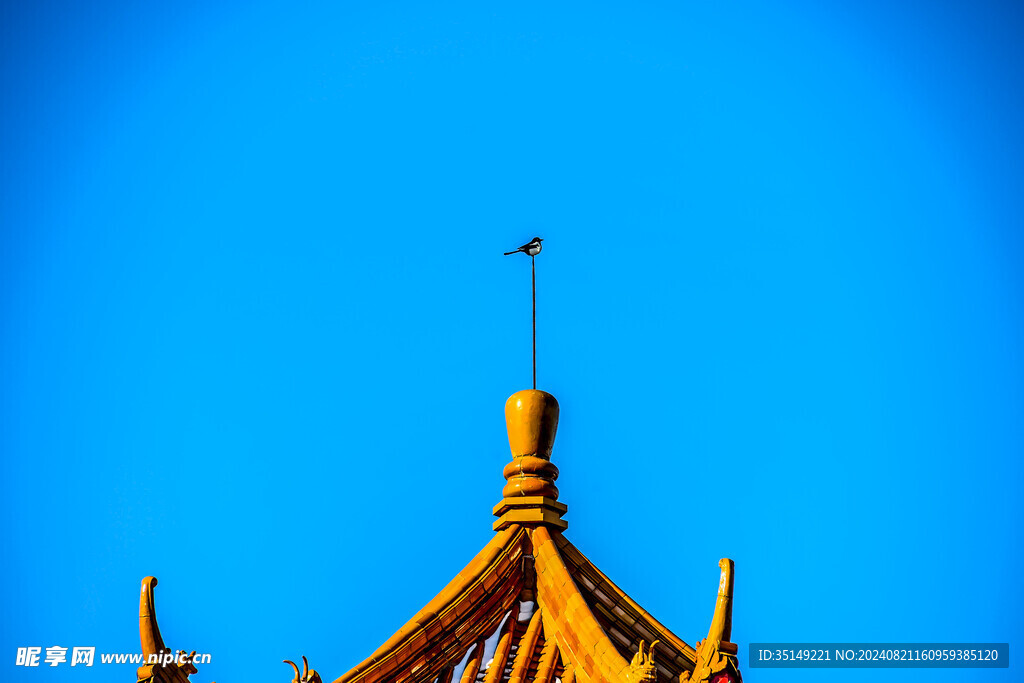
530	510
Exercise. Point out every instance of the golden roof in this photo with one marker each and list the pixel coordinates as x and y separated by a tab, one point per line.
530	607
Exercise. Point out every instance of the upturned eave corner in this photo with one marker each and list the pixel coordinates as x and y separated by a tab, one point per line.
466	611
159	664
717	656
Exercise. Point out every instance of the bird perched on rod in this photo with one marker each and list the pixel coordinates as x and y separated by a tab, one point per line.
531	248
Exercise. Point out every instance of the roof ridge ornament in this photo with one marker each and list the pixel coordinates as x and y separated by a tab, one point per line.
716	656
530	496
307	676
159	663
642	668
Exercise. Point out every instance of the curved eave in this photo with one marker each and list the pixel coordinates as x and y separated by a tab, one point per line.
584	627
469	608
625	621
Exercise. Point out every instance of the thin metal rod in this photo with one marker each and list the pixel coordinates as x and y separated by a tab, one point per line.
533	275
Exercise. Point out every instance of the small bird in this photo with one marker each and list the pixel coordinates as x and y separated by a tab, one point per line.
531	248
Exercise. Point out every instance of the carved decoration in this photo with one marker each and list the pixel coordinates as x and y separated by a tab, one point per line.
713	665
642	668
307	676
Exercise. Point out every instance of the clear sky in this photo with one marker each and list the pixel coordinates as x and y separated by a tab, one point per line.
257	331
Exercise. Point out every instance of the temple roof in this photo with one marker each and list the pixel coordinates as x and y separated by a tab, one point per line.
530	607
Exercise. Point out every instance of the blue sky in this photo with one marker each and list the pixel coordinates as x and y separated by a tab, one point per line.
257	331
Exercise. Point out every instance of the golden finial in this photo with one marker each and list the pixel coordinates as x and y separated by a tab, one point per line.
530	494
532	420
